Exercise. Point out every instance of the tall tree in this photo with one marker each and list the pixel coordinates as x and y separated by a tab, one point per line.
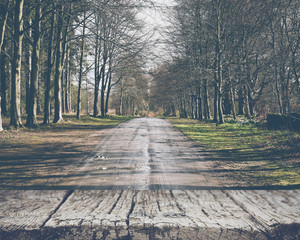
15	111
3	15
4	80
49	66
97	65
58	66
32	114
81	67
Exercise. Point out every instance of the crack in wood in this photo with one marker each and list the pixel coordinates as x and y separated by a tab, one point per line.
130	211
115	204
68	194
264	230
172	194
158	205
128	237
205	213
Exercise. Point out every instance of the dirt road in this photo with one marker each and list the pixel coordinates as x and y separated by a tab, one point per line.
143	154
146	180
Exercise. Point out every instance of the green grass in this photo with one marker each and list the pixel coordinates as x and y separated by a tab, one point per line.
257	156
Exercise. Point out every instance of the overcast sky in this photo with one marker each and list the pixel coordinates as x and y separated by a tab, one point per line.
156	20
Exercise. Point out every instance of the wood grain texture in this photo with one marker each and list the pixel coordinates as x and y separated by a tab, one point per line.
23	213
157	214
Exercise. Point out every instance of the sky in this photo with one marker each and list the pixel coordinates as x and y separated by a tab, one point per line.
156	22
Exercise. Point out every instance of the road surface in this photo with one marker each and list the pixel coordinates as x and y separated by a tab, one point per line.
143	154
146	180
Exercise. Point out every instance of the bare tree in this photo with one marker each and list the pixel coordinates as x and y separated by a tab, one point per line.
49	66
81	66
15	113
32	114
4	14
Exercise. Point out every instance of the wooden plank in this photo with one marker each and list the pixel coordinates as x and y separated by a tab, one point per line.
192	215
270	207
23	213
92	214
163	214
275	212
160	214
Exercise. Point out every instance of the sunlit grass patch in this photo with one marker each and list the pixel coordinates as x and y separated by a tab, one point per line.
266	157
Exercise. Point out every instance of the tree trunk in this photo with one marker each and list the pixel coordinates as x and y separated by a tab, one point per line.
184	108
38	97
200	109
283	85
1	129
219	64
277	90
215	120
15	110
80	70
58	68
3	83
48	73
232	99
67	80
27	75
121	99
63	60
32	114
69	89
206	102
247	108
96	91
103	88
27	53
2	61
108	84
87	96
108	94
97	73
227	103
241	101
192	106
4	10
246	88
63	89
220	107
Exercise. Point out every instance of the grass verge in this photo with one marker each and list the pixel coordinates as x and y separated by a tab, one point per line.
248	153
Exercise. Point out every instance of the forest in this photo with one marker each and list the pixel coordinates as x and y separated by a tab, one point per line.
223	58
230	57
57	56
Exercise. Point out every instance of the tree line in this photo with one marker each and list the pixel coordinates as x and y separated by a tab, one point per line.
49	49
230	57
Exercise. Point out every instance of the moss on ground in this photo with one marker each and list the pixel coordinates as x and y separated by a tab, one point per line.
248	151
